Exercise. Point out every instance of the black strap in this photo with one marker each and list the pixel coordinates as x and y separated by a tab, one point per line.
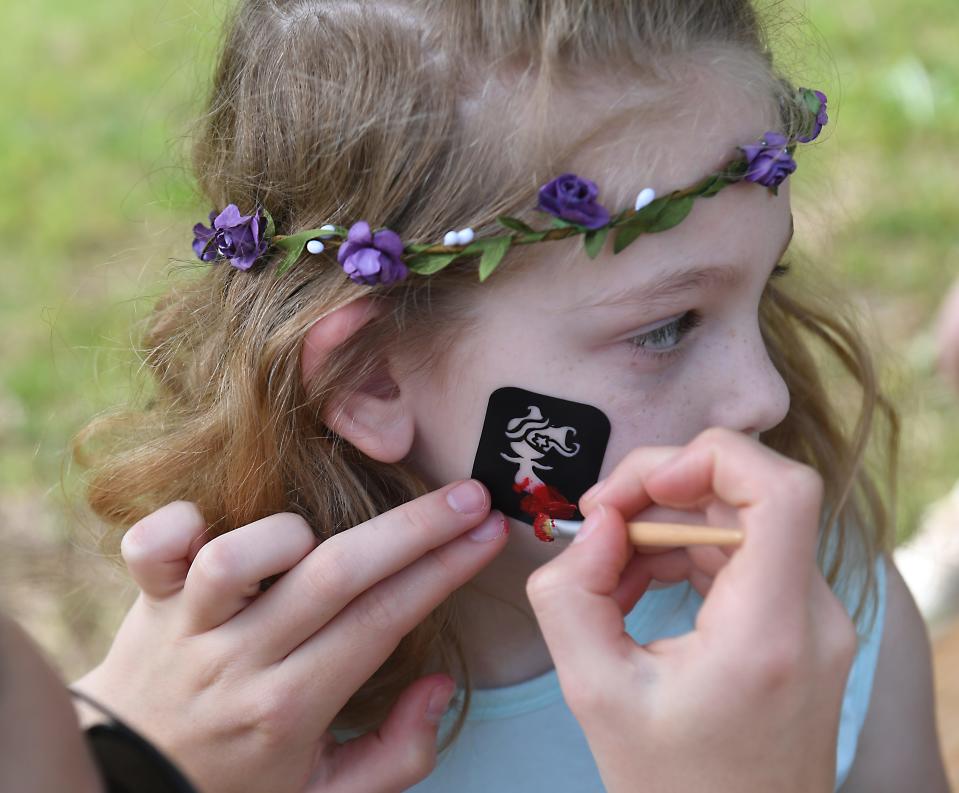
128	762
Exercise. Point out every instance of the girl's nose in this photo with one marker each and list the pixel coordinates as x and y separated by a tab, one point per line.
750	395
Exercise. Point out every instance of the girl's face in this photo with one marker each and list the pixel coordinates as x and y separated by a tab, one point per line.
663	337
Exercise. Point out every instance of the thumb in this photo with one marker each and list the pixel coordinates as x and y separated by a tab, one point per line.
575	597
159	548
402	751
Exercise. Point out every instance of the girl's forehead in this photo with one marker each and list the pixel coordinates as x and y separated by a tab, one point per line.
696	133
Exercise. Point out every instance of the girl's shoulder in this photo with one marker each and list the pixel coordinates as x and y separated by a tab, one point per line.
898	748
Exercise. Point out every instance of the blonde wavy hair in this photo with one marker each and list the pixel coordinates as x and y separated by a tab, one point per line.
331	111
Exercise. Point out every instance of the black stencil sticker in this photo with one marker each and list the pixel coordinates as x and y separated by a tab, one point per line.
539	453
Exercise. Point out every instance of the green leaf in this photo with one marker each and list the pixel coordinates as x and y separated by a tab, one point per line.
626	234
290	259
812	102
514	223
494	249
293	245
295	241
535	236
639	224
650	212
594	241
736	170
559	223
270	229
663	216
430	263
712	186
673	214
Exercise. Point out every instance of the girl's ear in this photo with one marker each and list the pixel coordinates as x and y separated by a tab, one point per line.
372	417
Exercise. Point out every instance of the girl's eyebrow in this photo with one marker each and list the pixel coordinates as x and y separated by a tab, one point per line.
671	284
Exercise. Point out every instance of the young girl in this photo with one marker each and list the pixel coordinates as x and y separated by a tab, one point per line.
336	358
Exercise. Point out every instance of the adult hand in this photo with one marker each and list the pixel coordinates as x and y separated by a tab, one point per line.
239	687
748	700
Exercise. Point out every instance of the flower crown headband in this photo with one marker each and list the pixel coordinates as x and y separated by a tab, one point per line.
380	257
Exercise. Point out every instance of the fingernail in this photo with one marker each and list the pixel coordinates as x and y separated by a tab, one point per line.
439	702
467	497
489	529
594	490
592	520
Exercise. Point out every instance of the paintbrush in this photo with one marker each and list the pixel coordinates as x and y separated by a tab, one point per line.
643	533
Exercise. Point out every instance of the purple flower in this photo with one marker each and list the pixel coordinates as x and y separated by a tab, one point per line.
371	259
232	236
574	199
201	236
769	162
822	118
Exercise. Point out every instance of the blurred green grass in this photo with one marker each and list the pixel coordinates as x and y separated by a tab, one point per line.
94	199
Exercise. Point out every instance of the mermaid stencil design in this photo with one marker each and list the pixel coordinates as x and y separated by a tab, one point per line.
531	439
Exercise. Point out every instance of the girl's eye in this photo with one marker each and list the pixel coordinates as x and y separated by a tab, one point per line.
665	337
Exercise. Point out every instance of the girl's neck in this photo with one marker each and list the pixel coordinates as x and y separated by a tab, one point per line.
500	635
501	638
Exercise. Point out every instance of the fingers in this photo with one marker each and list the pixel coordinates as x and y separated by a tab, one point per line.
623	489
371	626
227	571
581	622
732	480
349	563
779	503
401	752
157	549
698	565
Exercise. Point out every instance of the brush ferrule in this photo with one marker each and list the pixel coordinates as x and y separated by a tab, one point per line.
565	529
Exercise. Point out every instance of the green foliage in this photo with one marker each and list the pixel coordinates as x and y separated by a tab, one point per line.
514	224
494	249
660	215
430	263
294	245
594	240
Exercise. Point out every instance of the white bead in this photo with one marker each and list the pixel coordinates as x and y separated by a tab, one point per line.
645	198
450	238
314	246
464	236
327	231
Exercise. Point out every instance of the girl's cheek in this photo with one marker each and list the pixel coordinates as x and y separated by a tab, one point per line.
657	416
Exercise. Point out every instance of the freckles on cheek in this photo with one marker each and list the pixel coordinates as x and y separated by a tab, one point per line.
649	418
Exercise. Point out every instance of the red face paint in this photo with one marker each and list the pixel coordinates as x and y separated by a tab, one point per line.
543	527
548	501
543	503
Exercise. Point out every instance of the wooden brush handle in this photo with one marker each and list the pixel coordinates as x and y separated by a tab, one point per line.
644	533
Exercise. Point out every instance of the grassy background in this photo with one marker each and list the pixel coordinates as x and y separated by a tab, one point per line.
94	199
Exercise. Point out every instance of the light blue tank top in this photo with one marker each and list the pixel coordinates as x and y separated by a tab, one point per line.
523	738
